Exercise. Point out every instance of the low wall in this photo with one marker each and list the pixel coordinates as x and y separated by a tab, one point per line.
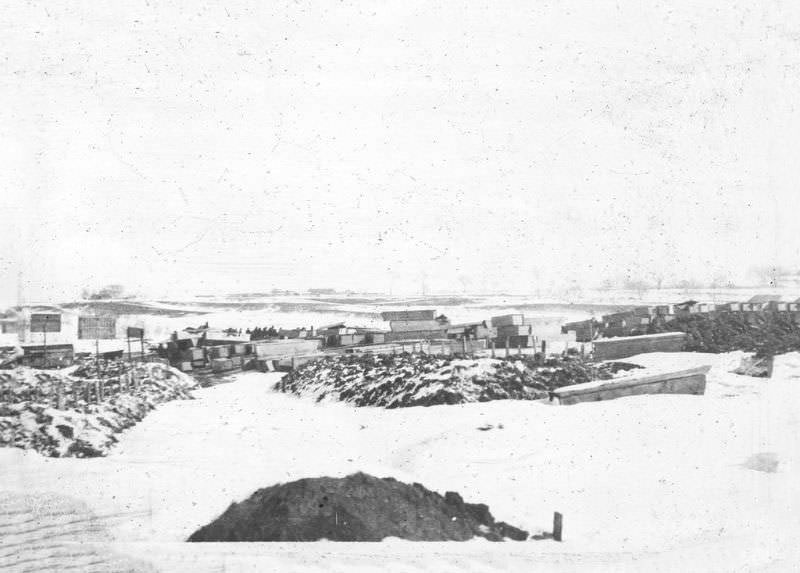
623	347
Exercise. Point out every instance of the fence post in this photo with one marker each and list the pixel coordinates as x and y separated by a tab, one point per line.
558	523
464	346
507	343
519	349
86	391
294	362
493	352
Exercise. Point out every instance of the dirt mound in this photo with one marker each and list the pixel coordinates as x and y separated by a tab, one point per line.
765	333
426	380
358	507
62	415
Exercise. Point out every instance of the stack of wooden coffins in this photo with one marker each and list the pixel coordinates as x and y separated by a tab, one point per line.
513	330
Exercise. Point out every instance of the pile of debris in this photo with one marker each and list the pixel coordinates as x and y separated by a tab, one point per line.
61	415
766	334
358	507
102	368
397	381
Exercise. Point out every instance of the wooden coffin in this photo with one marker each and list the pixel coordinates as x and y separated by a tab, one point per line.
691	381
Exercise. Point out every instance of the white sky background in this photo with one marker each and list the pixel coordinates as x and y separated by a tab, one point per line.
197	146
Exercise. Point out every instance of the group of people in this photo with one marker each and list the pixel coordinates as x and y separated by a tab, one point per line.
259	333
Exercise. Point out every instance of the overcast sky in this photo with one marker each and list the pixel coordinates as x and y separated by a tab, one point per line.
239	146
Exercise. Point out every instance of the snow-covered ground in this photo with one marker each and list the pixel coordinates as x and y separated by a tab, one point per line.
665	482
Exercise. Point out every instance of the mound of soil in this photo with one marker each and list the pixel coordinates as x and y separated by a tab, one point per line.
358	507
426	380
765	333
63	415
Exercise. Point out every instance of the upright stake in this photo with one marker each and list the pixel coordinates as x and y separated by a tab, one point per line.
558	523
493	352
464	346
507	343
519	349
141	345
45	342
130	355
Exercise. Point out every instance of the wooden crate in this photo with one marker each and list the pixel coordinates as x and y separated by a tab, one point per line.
516	330
508	320
220	351
403	315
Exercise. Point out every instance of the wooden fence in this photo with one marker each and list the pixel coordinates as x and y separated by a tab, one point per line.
69	392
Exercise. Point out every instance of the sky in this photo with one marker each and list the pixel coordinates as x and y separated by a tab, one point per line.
190	147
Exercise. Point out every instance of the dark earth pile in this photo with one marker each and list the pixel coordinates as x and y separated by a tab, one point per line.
765	333
425	380
61	415
358	507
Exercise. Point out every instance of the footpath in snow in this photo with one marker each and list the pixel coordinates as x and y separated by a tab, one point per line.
657	482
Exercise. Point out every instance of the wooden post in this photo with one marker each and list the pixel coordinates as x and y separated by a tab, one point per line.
394	350
464	345
130	356
493	350
402	347
519	349
60	395
507	343
86	391
96	391
294	362
558	523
